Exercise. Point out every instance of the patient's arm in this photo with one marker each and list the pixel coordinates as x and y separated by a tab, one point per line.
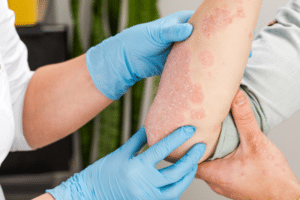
203	74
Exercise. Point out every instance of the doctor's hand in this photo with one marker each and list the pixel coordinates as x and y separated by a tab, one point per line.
135	53
257	169
122	175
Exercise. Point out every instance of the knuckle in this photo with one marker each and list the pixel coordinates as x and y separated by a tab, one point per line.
218	190
245	118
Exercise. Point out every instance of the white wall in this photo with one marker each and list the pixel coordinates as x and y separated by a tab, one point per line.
286	136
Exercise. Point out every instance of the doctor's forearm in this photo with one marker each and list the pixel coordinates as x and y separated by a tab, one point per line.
60	98
45	196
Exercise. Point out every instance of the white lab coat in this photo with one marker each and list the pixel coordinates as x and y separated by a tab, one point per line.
14	78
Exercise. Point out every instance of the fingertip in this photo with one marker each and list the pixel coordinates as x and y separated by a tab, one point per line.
244	118
201	147
188	130
142	129
240	98
197	152
185	15
184	31
176	33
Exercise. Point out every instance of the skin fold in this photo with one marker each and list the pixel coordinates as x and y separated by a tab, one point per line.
203	73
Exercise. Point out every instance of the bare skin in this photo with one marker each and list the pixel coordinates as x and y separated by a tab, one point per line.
257	169
203	73
45	110
45	196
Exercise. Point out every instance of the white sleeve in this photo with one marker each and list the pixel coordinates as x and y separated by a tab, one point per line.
14	55
6	115
273	73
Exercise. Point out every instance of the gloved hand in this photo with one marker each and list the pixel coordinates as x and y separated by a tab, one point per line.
135	53
121	175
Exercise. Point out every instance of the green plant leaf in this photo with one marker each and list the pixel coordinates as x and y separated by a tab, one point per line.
110	128
98	33
139	11
114	12
86	135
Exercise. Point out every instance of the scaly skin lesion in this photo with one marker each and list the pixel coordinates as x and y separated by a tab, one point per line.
203	73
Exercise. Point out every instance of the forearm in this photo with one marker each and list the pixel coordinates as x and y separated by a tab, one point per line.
60	98
220	47
213	64
45	196
221	43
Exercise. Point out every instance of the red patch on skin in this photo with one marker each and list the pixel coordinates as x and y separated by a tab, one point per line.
239	1
212	23
240	13
198	114
216	128
219	20
173	96
206	58
250	35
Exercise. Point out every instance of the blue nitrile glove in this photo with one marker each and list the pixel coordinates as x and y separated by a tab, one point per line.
135	53
122	175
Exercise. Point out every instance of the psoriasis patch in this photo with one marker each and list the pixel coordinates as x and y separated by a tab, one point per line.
239	1
206	59
250	35
198	114
174	95
240	12
219	20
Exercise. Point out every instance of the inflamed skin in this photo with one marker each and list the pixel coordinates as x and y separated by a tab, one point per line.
203	74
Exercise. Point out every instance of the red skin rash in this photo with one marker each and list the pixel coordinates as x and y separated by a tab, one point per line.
206	59
239	1
219	20
250	35
175	95
240	13
198	114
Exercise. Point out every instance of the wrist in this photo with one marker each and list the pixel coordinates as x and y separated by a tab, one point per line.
111	77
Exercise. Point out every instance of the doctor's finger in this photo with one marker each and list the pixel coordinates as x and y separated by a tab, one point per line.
165	146
182	16
176	189
176	32
135	143
183	166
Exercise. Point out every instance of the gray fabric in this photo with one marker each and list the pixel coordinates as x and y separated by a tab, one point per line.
272	79
229	137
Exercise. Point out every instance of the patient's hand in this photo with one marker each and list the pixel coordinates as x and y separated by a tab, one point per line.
257	169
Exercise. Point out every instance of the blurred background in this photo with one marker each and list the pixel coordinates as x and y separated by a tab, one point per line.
61	29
